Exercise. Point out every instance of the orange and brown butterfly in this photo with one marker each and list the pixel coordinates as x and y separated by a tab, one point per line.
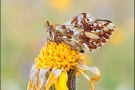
83	32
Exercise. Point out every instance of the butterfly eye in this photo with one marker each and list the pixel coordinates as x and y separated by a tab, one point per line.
50	33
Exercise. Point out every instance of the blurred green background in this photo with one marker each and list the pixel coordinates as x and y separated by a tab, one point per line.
23	35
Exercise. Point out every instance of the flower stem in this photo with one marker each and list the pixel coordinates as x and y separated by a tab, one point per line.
71	84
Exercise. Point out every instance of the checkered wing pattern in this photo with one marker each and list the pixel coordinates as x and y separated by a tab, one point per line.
85	33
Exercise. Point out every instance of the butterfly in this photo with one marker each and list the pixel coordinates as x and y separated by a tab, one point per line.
83	32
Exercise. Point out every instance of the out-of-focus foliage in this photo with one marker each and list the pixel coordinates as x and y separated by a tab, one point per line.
23	35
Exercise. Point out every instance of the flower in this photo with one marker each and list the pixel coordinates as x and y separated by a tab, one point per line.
60	5
53	63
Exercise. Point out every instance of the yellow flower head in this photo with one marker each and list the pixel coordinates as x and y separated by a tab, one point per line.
53	63
59	56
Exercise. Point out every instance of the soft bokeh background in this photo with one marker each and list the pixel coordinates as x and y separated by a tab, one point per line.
23	35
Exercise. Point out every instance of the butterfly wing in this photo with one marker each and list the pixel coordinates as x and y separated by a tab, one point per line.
86	33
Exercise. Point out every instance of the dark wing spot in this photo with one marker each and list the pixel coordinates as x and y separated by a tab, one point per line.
68	31
87	27
84	38
103	40
69	37
84	15
109	32
63	27
74	20
106	36
106	24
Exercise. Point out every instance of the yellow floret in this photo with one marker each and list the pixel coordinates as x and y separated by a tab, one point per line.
59	56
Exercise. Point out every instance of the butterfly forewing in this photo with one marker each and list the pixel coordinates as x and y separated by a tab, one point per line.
84	32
